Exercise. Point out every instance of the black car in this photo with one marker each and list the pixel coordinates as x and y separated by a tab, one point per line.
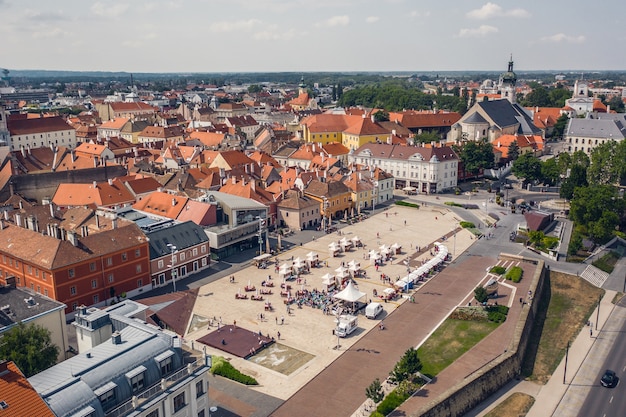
609	379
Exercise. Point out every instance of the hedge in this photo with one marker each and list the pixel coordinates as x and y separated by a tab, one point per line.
392	401
467	225
224	368
515	274
406	204
499	270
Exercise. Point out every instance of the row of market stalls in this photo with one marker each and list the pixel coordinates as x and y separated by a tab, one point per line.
441	255
298	265
343	245
384	253
342	274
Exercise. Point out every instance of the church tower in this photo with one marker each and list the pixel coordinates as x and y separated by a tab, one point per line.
507	83
302	86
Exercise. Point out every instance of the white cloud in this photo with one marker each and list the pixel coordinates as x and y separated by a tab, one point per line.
274	33
415	14
561	37
479	32
334	21
225	26
372	19
106	10
492	10
51	33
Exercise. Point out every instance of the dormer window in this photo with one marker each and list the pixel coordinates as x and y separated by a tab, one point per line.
136	378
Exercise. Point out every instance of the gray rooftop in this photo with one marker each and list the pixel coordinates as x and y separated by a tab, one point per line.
233	201
182	235
594	128
75	384
21	305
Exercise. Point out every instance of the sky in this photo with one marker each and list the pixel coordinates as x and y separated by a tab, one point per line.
311	35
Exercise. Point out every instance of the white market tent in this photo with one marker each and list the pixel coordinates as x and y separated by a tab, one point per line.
345	243
333	247
342	272
349	294
311	256
356	240
328	279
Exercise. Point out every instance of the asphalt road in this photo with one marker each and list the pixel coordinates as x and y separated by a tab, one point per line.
609	402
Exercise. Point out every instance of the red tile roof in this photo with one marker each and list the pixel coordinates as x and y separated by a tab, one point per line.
103	194
20	396
424	119
39	125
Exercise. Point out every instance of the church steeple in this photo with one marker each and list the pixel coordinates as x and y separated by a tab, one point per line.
507	83
301	86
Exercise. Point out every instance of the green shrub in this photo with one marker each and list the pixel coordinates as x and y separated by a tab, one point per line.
515	274
467	225
407	204
452	204
480	294
496	317
498	270
391	402
224	368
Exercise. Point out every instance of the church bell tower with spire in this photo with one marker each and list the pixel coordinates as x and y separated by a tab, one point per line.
507	83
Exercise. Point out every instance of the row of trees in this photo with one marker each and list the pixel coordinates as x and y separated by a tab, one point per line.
399	95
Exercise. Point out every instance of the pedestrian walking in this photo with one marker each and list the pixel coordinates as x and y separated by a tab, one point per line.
278	334
590	332
282	320
276	320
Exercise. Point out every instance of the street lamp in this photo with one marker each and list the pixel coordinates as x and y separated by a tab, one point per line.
173	262
325	218
261	223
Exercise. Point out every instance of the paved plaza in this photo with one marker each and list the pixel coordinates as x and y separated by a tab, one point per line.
309	330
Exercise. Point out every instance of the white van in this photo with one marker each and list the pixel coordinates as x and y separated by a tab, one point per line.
372	310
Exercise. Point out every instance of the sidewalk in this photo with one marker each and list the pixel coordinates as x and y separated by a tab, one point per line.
548	397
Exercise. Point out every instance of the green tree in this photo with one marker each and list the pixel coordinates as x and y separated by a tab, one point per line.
536	236
598	209
577	178
480	294
616	104
558	96
550	173
408	365
513	153
560	125
539	97
381	116
607	163
30	347
528	167
476	155
426	137
255	88
375	391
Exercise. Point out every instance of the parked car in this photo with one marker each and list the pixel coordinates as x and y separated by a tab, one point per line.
609	379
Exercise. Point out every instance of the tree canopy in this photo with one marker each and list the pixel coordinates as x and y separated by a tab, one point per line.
598	210
608	163
30	347
528	167
408	365
476	155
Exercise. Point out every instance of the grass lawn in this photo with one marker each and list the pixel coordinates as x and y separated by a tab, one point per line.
607	262
563	312
452	339
516	405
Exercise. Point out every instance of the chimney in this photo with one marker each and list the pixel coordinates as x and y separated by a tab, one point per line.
173	201
393	132
116	338
23	151
30	223
51	209
73	156
1	224
253	185
110	181
3	366
18	219
608	108
373	119
234	180
21	204
95	162
114	223
85	230
94	184
97	221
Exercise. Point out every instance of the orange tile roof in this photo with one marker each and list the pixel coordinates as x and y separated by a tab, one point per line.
365	126
130	107
335	148
20	396
90	149
103	194
116	123
162	204
235	158
263	158
208	139
247	189
424	119
301	100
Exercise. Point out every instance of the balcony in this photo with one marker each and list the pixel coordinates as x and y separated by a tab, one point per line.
156	389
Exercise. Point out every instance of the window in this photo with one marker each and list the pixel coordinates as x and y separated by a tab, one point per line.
71	273
109	261
136	382
138	268
203	261
154	413
29	269
124	256
92	266
137	253
139	283
160	264
201	413
96	299
194	252
203	248
45	292
73	290
199	388
179	402
182	256
166	366
38	289
110	278
94	283
74	306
